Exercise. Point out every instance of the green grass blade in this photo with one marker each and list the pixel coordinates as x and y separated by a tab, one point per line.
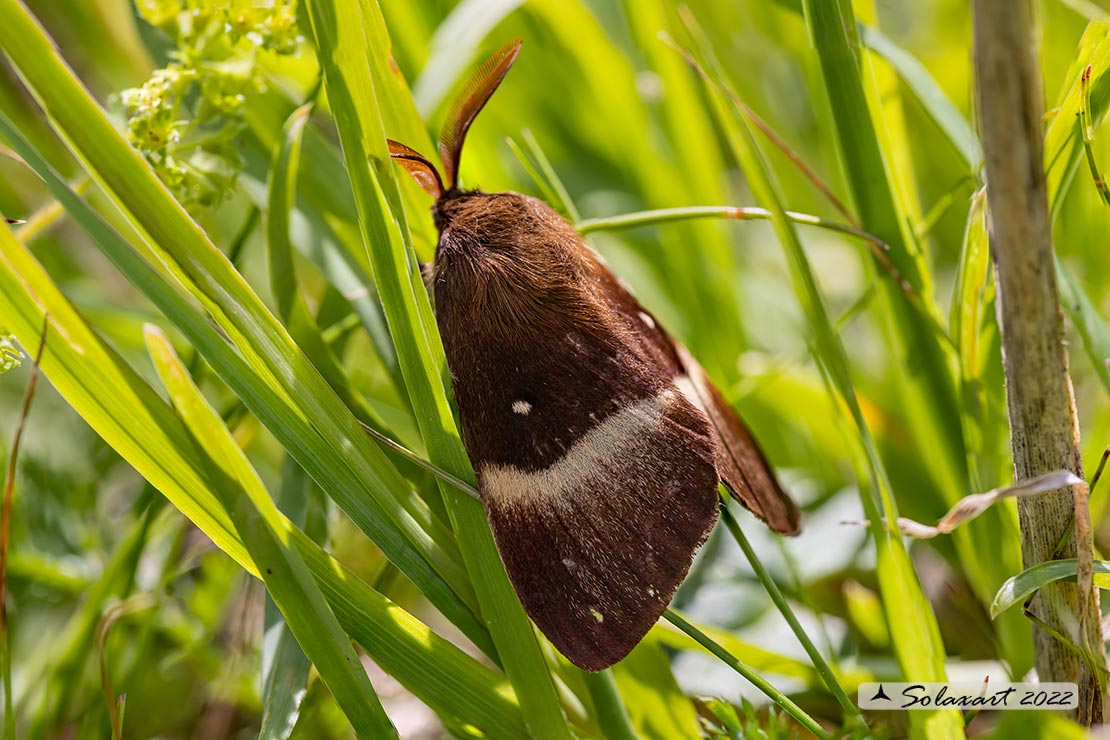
917	638
1092	327
285	667
657	706
746	671
971	301
448	680
283	194
957	131
828	675
138	424
71	647
966	314
291	305
547	191
739	213
266	535
609	706
333	434
327	210
936	104
1063	141
399	541
1063	151
351	76
284	685
1020	588
758	658
930	392
88	374
559	197
454	49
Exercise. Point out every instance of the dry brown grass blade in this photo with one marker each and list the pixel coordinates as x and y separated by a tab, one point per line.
9	478
975	504
6	516
111	615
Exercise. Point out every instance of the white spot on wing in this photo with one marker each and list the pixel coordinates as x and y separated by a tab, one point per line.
521	407
597	615
647	320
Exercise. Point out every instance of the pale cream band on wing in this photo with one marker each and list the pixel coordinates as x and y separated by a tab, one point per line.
623	442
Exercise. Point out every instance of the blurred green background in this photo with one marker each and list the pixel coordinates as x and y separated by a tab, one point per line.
626	127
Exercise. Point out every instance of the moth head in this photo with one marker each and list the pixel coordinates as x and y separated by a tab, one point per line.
469	102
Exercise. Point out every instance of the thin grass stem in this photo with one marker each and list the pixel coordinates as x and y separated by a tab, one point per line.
549	175
432	468
5	533
1087	126
746	671
819	663
750	213
532	169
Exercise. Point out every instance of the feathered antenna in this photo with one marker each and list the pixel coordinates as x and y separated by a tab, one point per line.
417	165
469	103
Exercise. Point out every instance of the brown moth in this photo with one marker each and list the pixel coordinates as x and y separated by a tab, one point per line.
598	441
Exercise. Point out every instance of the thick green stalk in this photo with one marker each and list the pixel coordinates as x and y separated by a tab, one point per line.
1044	427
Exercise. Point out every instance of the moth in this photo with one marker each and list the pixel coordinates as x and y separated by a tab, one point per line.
598	441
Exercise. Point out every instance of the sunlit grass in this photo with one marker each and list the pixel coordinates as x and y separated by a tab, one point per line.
851	315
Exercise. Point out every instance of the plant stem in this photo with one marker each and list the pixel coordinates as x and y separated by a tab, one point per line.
612	716
746	671
5	534
666	215
823	668
1044	430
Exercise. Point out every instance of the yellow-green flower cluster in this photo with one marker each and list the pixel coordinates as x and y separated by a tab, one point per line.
186	116
10	356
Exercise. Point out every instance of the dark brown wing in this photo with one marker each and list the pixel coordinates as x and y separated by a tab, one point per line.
597	543
597	474
597	458
742	466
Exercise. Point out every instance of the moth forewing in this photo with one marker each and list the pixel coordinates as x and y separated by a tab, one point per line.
598	442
